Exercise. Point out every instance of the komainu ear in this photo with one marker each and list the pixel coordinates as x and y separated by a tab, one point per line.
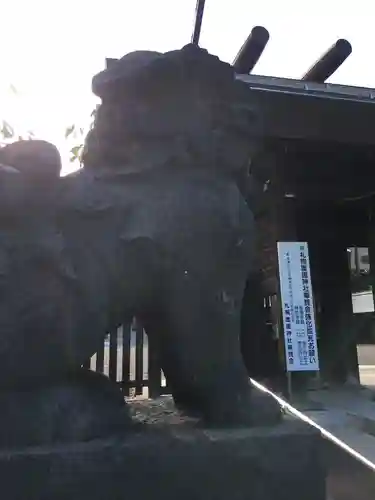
38	160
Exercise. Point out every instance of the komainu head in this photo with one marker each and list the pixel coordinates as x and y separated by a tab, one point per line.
183	108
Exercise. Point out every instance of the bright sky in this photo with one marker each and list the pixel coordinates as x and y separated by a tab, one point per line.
51	48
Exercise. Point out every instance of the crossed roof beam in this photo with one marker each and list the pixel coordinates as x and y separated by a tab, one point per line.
253	48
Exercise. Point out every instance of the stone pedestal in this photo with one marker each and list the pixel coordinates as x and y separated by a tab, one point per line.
173	462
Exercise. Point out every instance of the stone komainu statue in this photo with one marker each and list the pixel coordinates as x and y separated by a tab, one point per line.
153	226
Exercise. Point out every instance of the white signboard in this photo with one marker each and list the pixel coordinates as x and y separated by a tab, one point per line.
297	307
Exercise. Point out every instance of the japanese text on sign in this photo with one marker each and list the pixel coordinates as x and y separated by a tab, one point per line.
297	307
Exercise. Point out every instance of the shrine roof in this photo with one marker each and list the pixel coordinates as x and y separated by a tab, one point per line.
319	112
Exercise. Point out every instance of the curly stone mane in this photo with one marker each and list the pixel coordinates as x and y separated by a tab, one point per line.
183	108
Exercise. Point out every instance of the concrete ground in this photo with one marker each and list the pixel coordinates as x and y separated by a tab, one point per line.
349	449
366	354
366	361
346	415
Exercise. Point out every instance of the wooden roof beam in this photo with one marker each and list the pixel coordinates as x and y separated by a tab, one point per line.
199	10
329	62
250	52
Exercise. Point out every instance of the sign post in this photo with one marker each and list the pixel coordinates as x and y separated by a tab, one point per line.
300	340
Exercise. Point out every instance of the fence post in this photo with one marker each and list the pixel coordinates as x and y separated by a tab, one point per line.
113	343
139	345
126	337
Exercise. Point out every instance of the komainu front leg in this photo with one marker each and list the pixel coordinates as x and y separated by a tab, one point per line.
203	340
158	329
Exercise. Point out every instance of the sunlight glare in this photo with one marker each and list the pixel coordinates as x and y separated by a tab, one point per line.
53	49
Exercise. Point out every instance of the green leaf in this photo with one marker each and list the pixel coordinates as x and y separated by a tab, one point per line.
76	153
7	131
76	150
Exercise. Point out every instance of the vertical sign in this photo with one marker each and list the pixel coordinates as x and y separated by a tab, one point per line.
297	307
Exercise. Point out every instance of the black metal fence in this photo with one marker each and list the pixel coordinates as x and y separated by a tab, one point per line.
129	359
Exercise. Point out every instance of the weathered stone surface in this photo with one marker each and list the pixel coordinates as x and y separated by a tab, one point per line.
154	226
279	463
80	407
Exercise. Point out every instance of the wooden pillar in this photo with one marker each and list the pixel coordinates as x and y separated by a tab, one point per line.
332	290
371	243
276	222
259	343
258	346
